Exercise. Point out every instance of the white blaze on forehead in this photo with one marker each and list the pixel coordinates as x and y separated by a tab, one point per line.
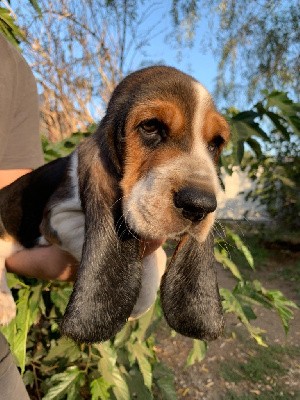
203	104
199	147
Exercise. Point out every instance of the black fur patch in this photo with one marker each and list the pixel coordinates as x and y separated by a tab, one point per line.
189	292
22	203
109	276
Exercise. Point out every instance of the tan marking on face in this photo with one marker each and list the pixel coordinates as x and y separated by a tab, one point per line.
165	111
214	125
138	159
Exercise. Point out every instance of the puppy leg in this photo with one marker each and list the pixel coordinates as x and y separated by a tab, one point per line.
7	303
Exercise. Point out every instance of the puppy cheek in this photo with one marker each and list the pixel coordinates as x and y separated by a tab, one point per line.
201	231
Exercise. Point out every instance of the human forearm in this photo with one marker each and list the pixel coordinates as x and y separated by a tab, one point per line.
47	263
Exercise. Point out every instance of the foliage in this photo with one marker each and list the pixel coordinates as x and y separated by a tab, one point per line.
125	367
265	143
90	46
8	26
256	42
247	294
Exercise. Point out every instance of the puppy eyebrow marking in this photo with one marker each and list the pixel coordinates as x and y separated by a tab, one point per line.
165	111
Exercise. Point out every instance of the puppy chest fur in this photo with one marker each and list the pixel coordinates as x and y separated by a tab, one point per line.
63	222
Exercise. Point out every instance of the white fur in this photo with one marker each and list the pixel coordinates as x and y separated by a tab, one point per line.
199	148
67	218
154	266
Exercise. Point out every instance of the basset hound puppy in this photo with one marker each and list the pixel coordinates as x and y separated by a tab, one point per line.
148	172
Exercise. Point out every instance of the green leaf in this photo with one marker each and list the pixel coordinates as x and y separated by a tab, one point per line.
8	27
288	108
286	181
279	302
240	151
122	336
63	348
136	384
36	6
110	371
246	126
222	258
99	389
197	353
14	281
241	246
255	146
64	383
140	352
144	324
16	332
60	297
279	122
232	304
164	380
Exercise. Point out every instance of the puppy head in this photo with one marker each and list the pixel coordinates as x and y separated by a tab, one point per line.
172	137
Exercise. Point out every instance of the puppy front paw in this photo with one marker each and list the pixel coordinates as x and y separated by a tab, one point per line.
7	308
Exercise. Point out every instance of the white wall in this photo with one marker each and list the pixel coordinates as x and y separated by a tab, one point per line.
232	204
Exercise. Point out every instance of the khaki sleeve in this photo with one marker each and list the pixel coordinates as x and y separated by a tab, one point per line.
20	144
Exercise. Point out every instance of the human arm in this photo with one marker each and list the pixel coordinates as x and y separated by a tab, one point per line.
52	263
45	262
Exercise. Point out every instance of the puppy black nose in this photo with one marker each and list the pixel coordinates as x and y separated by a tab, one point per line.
195	203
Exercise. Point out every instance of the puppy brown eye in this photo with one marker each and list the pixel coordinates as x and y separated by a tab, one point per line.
215	144
152	132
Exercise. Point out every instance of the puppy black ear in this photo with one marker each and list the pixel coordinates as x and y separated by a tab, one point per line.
189	291
109	276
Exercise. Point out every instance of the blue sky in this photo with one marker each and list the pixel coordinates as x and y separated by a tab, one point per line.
197	61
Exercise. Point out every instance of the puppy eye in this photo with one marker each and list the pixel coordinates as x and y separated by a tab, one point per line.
215	144
152	131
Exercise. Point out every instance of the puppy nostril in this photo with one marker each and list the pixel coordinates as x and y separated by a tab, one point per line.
195	203
194	216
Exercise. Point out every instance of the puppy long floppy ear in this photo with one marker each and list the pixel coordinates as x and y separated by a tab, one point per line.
189	291
109	275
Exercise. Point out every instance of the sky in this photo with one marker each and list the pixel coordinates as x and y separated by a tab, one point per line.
194	60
